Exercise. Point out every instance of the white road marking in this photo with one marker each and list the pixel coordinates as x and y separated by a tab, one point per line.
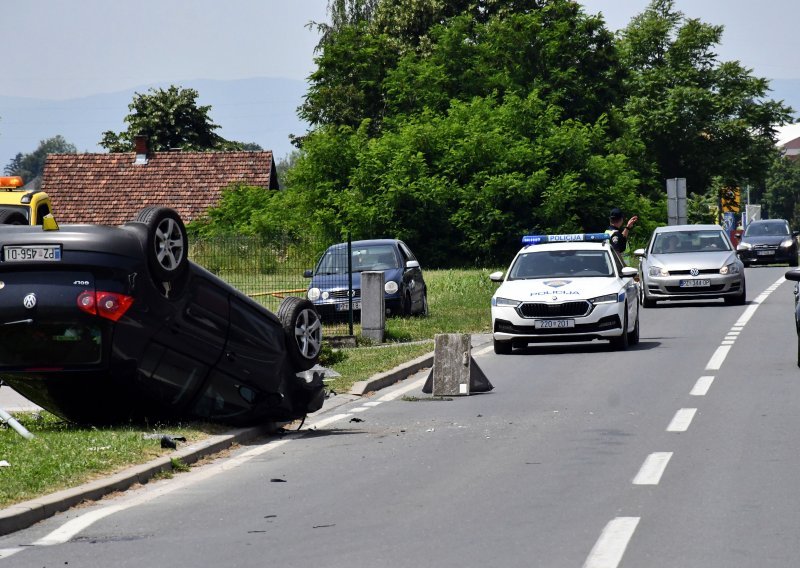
682	420
6	552
727	342
414	385
702	385
372	403
652	469
718	358
360	409
609	548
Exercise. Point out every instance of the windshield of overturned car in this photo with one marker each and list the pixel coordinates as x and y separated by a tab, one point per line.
376	257
572	263
58	344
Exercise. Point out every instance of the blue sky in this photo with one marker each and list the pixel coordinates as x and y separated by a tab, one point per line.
72	48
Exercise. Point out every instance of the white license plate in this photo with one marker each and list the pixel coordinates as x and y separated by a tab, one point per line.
765	252
695	283
31	253
558	324
346	306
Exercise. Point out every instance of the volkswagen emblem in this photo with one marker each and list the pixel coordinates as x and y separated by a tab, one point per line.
694	271
29	301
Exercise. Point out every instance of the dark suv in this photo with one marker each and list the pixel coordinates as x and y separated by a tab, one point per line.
112	324
768	241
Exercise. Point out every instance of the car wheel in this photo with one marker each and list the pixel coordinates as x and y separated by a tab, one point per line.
739	300
633	337
502	347
798	350
303	330
166	243
424	311
793	261
405	305
647	301
12	218
621	342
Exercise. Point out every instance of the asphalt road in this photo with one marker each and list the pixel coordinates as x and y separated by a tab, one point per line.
682	451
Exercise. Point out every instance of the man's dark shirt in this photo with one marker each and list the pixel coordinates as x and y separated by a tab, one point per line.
618	241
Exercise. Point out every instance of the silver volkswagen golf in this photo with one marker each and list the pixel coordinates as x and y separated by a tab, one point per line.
690	262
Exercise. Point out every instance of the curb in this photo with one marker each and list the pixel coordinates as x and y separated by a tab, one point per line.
22	515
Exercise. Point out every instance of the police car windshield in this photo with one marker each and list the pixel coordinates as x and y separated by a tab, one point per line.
561	263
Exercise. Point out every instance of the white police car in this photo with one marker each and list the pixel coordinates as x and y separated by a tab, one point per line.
565	288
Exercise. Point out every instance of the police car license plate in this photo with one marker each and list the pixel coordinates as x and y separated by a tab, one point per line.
695	283
346	306
549	324
32	253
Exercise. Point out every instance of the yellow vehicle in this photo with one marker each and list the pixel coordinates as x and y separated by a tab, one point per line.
22	206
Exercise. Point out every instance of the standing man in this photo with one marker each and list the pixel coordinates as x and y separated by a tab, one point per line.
619	232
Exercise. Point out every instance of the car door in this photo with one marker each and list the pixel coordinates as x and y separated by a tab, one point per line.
252	366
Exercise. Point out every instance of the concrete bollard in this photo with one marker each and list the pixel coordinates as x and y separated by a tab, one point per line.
373	306
455	372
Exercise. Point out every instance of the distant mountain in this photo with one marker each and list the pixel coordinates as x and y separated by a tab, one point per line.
260	110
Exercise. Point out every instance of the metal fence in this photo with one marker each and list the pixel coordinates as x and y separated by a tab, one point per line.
266	269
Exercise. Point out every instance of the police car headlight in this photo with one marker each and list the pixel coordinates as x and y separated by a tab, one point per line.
731	268
391	287
744	246
787	243
657	271
313	294
500	302
607	299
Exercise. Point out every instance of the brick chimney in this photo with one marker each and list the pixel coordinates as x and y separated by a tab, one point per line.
140	145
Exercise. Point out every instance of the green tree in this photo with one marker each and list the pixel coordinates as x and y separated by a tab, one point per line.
170	119
782	195
31	166
699	118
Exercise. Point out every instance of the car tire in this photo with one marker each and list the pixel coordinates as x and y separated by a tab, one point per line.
12	218
302	328
739	300
621	342
424	311
633	337
646	301
405	304
166	243
502	347
793	263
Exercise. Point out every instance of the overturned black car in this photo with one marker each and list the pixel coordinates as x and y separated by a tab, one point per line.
114	324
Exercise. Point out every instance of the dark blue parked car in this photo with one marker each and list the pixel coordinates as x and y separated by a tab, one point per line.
404	286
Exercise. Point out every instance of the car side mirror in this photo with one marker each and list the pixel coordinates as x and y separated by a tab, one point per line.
795	233
412	264
496	276
308	273
629	272
639	252
793	275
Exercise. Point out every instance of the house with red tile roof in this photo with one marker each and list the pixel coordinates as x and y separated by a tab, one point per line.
110	189
789	140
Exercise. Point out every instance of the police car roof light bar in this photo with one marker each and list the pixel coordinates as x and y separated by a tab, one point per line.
577	237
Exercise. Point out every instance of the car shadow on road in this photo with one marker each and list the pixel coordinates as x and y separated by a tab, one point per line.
695	304
574	348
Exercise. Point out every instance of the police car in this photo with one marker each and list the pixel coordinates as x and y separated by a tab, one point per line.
565	288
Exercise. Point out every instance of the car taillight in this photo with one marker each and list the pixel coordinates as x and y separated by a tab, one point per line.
109	305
